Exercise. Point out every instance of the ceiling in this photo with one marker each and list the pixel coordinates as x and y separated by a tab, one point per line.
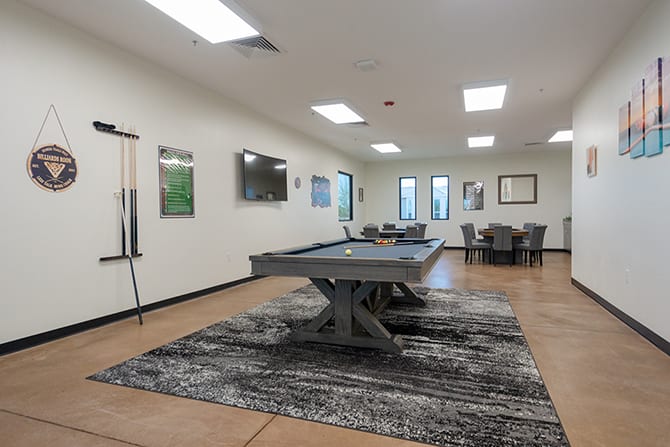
425	50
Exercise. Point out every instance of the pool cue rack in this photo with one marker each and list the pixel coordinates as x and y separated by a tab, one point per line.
134	251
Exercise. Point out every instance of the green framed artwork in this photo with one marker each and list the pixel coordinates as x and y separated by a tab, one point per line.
176	182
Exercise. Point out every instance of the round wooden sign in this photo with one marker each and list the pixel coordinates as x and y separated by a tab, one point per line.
52	168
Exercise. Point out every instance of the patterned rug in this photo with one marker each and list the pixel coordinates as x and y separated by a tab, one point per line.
466	377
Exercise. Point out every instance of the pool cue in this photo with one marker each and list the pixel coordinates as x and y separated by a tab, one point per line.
132	269
123	194
133	194
380	245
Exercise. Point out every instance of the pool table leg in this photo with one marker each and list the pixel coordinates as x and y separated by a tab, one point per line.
408	296
348	312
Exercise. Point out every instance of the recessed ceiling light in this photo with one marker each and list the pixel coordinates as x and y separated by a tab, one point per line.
385	148
484	96
210	19
481	141
337	112
560	136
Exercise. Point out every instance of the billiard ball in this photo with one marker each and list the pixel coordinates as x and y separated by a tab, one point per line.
347	252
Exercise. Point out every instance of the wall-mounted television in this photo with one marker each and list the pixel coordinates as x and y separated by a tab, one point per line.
264	177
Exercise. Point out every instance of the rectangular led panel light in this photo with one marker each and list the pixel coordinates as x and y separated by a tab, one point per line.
210	19
339	113
481	141
484	97
560	136
385	148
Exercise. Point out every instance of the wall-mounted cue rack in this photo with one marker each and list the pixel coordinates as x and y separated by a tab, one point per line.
129	245
128	229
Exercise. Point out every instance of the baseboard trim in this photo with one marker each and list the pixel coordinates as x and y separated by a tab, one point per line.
651	336
55	334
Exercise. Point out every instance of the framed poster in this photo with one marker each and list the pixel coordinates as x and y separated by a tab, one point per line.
591	161
176	182
473	196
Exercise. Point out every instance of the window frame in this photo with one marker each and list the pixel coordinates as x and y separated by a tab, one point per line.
432	200
351	196
400	179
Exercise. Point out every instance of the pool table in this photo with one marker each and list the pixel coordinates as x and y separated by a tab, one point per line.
358	287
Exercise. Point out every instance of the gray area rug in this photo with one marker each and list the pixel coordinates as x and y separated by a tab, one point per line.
466	377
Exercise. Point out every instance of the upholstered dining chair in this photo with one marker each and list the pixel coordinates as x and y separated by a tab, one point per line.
494	224
528	226
502	241
534	246
472	245
473	232
371	231
347	231
411	231
388	226
422	229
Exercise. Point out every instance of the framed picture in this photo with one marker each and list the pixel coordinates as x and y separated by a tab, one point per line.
320	192
175	182
360	194
591	161
473	196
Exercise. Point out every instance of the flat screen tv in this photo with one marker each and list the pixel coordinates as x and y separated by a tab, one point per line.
264	177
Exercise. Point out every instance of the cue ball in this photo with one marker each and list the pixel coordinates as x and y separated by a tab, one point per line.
347	252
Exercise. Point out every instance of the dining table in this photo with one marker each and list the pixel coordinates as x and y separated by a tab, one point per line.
517	236
516	233
397	233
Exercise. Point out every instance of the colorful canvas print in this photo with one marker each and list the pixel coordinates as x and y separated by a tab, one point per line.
665	101
637	120
320	192
653	138
624	129
591	161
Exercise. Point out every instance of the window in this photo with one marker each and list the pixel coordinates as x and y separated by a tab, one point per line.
439	197
407	198
344	187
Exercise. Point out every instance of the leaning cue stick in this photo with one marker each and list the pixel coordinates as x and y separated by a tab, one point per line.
132	270
133	193
123	194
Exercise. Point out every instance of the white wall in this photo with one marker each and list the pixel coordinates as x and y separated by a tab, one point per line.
553	191
51	242
620	249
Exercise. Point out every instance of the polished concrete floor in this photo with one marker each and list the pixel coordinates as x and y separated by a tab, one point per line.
610	386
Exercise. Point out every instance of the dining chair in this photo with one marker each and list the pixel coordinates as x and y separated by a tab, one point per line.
502	241
494	224
528	226
473	232
472	245
388	226
534	246
347	231
371	231
411	231
422	229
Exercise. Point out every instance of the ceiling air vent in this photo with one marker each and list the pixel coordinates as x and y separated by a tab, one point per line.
255	46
